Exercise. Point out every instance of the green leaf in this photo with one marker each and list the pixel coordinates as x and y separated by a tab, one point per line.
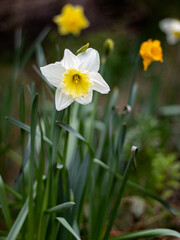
13	192
43	78
111	103
172	110
40	185
61	207
18	222
136	186
30	50
26	128
148	233
71	130
134	86
56	135
75	133
22	118
40	55
121	191
152	195
68	227
4	203
32	162
19	124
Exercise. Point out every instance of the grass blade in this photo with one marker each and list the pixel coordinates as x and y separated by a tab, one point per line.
68	227
75	133
4	203
148	233
32	161
22	118
171	110
13	192
133	88
136	186
121	191
43	78
31	50
71	130
18	222
26	128
61	207
40	56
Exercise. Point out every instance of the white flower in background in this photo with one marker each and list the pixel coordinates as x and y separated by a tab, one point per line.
75	78
171	27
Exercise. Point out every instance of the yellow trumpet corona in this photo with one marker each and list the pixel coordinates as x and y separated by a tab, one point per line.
151	51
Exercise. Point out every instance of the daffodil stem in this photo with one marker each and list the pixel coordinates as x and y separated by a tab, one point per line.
120	193
130	99
66	137
95	101
96	97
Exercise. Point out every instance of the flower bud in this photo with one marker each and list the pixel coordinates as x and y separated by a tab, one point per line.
82	49
108	46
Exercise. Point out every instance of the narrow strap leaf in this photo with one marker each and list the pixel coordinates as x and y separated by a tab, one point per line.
61	207
26	128
136	186
121	191
13	192
68	227
4	204
76	134
71	130
148	233
18	222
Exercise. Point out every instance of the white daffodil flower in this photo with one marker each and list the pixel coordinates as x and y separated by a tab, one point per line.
75	78
171	27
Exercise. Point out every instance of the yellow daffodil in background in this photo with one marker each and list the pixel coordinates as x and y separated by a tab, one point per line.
151	51
171	27
71	20
75	78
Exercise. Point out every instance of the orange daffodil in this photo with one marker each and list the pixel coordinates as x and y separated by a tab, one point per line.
71	20
75	78
151	51
171	27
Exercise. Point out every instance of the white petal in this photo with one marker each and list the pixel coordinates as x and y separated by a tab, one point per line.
171	39
167	25
85	100
54	73
98	83
89	60
62	100
70	60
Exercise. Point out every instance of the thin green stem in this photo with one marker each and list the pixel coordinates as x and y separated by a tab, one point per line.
121	191
130	99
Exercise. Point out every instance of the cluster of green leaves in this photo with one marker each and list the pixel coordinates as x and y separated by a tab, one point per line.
158	170
167	176
73	171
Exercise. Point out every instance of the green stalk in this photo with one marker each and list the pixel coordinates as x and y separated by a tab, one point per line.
132	86
4	204
121	191
149	233
13	192
22	119
95	104
54	179
136	186
31	168
40	185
